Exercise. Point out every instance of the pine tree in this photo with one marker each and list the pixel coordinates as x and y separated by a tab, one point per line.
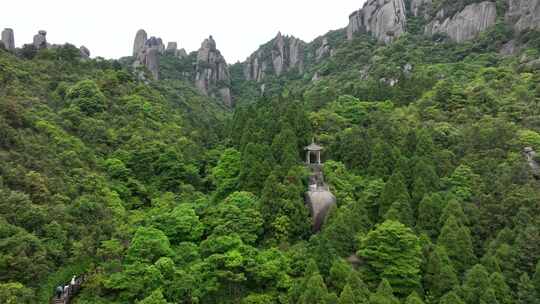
451	298
315	292
440	276
339	273
503	294
361	291
414	298
392	252
347	296
429	212
526	293
384	294
425	180
401	211
458	244
536	277
475	285
394	190
382	161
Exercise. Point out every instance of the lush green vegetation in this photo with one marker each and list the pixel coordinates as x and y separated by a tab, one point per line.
163	196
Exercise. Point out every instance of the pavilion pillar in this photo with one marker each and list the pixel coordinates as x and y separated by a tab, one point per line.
319	157
308	157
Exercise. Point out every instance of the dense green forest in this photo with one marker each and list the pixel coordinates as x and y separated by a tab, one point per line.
163	195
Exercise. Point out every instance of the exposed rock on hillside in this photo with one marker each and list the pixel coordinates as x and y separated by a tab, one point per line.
324	50
467	24
384	19
85	52
148	52
421	8
40	40
283	54
524	14
8	39
212	71
140	39
172	49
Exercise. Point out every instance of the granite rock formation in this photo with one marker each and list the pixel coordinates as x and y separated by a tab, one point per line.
324	50
384	19
140	39
282	54
148	52
212	72
8	39
40	40
85	52
467	24
523	14
421	8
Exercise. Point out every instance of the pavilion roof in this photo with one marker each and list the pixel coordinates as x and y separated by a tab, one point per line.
313	147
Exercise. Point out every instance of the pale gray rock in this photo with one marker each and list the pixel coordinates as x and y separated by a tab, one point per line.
212	71
467	24
172	47
85	52
421	8
384	19
509	48
523	14
140	40
323	51
286	54
40	40
8	38
181	53
530	156
152	62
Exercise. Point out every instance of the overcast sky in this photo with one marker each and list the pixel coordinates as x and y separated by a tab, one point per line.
108	27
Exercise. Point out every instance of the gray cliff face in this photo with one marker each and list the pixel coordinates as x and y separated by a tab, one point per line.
8	38
324	50
40	40
523	14
286	53
85	52
140	39
467	24
421	8
212	71
384	19
148	52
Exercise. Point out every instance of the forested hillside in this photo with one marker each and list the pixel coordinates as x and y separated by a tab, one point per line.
161	194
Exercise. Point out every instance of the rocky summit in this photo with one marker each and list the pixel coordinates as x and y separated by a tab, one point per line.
384	19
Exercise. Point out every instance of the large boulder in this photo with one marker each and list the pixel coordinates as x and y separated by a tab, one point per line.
8	39
40	40
283	54
466	24
523	14
324	50
140	40
319	202
384	19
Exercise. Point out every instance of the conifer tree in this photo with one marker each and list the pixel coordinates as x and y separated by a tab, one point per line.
315	292
384	294
339	273
393	252
451	298
458	244
429	212
502	291
401	211
475	284
347	296
526	293
361	291
536	277
394	190
440	276
414	298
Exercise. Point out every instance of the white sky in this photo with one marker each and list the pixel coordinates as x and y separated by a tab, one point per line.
108	27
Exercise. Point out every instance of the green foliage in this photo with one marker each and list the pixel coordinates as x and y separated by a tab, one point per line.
87	96
392	254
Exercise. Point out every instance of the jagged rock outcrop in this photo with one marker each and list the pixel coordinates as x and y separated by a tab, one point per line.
140	39
8	38
148	53
212	72
40	40
172	49
384	19
421	8
85	52
467	24
530	156
283	54
324	50
523	14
